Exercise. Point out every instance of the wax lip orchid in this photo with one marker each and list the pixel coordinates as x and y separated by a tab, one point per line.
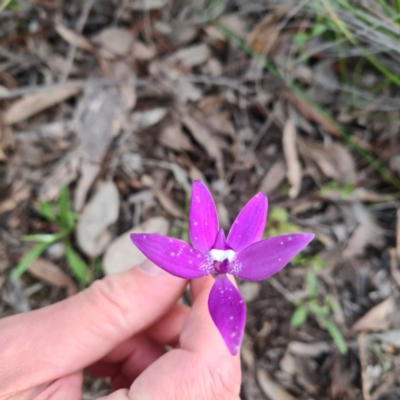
242	254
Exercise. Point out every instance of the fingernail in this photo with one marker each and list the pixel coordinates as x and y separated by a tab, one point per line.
151	269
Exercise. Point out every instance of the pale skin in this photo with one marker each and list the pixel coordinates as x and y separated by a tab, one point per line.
118	328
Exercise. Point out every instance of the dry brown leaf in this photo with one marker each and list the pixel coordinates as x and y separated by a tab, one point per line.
334	160
270	388
99	116
222	124
192	56
377	318
172	136
202	135
367	232
62	174
102	211
72	37
274	177
147	118
88	175
196	174
294	173
141	52
122	254
169	205
52	274
173	79
115	42
37	102
3	90
312	114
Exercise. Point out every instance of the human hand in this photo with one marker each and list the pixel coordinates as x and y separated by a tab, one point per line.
118	328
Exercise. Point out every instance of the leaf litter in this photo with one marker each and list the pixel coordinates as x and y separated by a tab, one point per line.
158	95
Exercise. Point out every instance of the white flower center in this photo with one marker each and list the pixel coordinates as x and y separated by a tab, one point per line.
222	255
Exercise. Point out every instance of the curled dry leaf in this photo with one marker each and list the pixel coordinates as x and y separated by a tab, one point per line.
334	160
37	102
292	159
101	212
72	37
122	255
52	274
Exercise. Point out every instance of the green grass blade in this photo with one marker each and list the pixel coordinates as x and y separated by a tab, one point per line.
312	283
299	316
335	333
40	237
65	212
78	266
29	257
46	210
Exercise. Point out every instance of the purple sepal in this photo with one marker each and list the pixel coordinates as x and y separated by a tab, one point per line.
173	255
203	218
249	225
228	311
263	259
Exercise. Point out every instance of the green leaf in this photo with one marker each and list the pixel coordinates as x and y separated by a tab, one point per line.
46	209
335	333
278	215
29	257
41	238
46	237
318	29
312	283
65	212
301	38
78	266
299	316
318	263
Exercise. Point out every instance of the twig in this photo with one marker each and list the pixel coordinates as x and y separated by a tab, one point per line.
72	48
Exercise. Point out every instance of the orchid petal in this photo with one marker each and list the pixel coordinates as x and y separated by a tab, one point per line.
173	255
249	224
263	259
203	218
228	311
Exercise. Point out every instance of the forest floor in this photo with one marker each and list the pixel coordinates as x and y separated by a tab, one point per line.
111	108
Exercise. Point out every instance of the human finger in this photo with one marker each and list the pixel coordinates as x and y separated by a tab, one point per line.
67	336
202	368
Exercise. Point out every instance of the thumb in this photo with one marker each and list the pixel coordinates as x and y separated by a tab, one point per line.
67	336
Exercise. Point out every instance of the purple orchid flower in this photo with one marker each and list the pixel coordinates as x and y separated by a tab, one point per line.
242	254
